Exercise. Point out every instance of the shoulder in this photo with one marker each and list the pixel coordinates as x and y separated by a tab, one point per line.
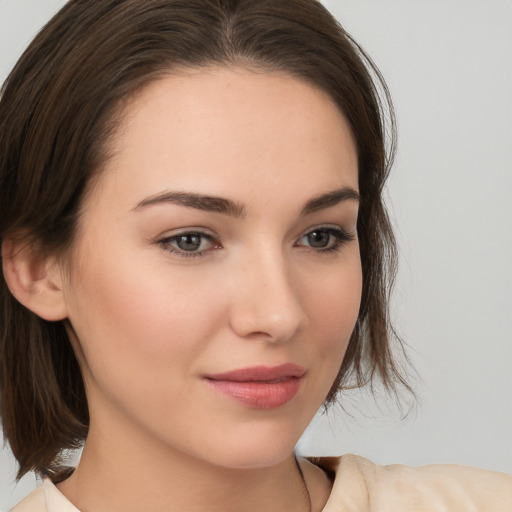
45	498
361	485
34	502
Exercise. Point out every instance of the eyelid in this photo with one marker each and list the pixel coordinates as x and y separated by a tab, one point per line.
329	227
183	231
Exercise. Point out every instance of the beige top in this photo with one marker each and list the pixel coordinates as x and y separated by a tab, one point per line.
362	486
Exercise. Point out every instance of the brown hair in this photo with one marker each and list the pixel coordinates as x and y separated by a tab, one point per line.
57	110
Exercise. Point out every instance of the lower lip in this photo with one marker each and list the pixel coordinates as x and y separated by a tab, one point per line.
259	395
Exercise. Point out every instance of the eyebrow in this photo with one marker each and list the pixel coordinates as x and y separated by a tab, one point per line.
330	199
198	201
235	209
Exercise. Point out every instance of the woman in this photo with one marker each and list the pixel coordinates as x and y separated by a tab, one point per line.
196	257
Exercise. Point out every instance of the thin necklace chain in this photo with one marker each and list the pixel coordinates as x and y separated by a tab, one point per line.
304	487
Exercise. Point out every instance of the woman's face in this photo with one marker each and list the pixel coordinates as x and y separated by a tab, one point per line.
216	278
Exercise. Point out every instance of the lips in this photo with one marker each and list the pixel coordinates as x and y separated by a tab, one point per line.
259	387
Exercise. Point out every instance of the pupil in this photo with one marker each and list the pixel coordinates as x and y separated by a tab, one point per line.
319	239
189	242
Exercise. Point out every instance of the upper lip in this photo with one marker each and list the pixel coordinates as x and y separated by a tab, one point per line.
260	373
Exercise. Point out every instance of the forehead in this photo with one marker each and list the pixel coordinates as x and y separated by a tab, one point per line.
220	130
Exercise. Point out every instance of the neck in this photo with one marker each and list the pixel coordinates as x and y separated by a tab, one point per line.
128	473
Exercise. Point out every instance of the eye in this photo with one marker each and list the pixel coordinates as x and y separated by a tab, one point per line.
325	239
189	243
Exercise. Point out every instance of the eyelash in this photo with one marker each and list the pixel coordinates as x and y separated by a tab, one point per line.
341	237
166	244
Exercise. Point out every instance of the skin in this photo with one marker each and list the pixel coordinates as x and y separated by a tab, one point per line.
150	320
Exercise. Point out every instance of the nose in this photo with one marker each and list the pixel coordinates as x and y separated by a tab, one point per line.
266	300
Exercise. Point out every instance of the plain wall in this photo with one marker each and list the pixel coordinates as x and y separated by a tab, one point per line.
449	67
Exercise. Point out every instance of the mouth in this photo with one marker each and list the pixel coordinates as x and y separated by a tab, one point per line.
259	387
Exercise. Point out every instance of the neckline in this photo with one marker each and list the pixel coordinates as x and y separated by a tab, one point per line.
57	502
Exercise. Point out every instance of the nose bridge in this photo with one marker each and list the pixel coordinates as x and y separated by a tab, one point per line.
266	301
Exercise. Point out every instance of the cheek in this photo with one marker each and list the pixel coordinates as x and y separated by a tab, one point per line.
333	312
138	322
333	303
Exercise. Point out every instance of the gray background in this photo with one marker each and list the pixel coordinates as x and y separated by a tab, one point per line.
449	67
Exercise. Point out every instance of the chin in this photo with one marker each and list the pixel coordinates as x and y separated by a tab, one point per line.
254	458
250	447
259	451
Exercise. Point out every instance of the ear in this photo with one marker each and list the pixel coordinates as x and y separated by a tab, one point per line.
35	280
